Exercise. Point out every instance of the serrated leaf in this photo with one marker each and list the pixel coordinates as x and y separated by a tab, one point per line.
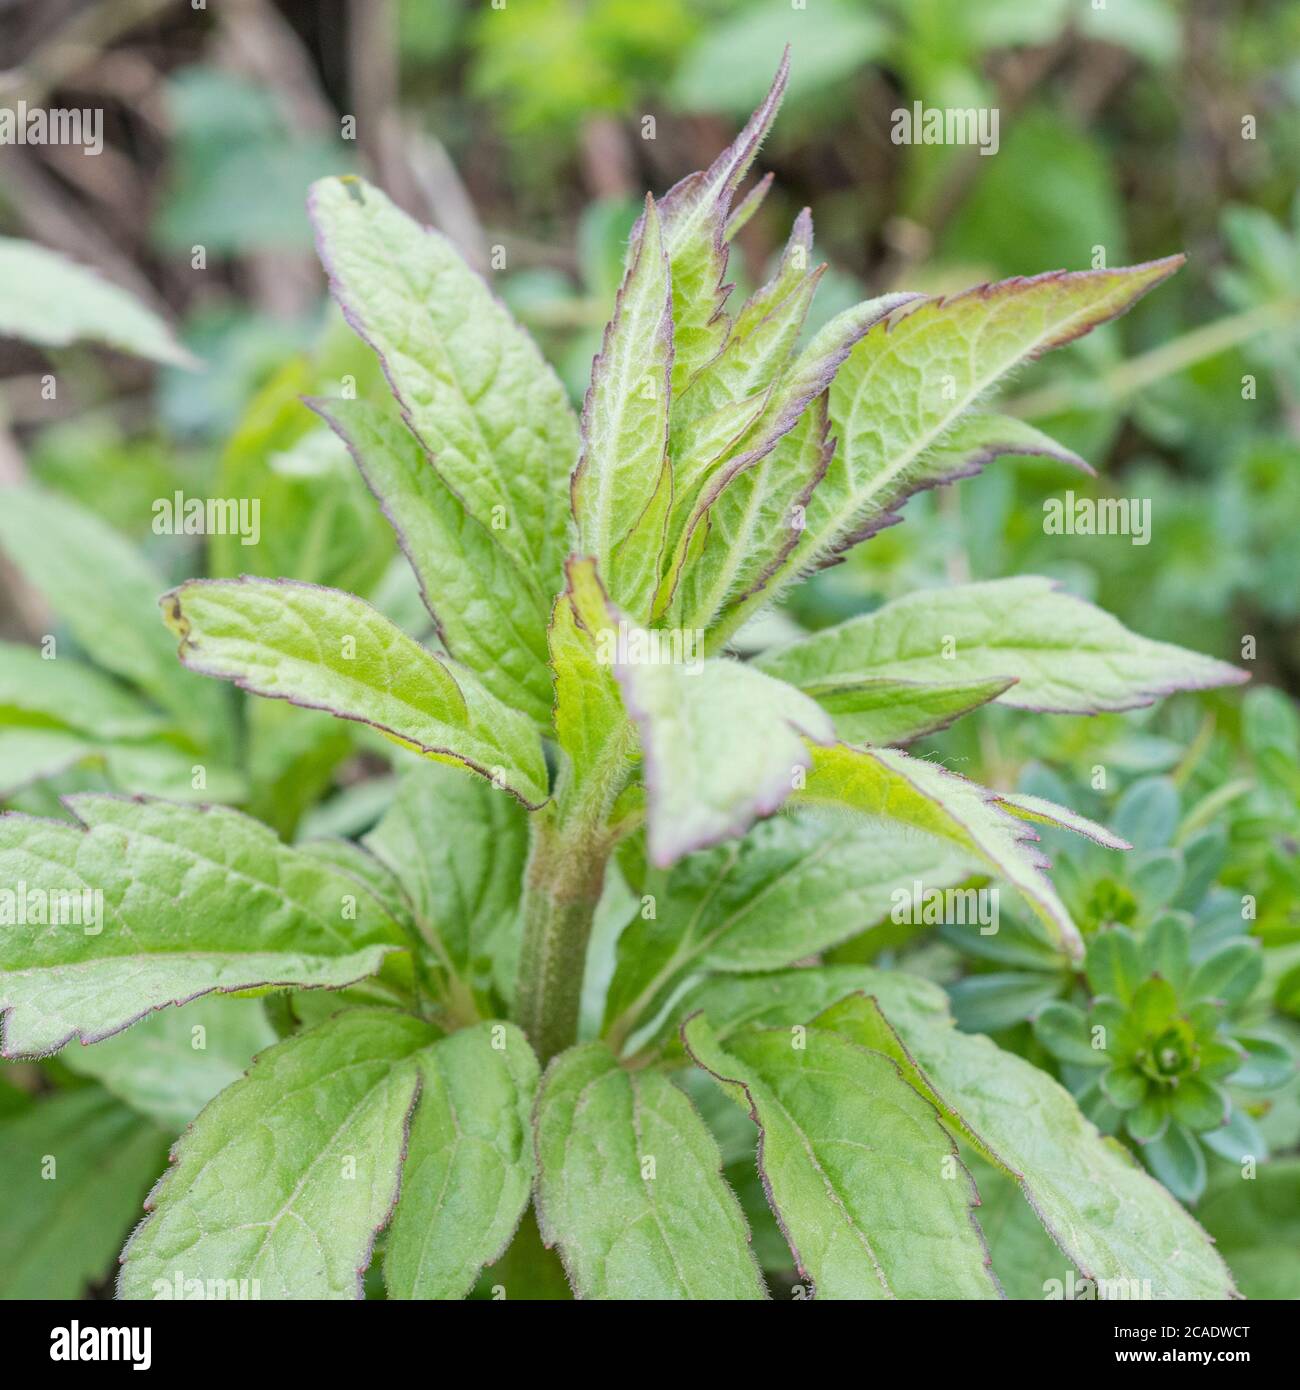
287	1177
47	299
909	382
473	386
99	585
194	900
63	1221
457	846
630	1186
885	782
722	744
623	484
854	1162
794	886
1064	655
1108	1216
169	1065
324	649
469	1164
1039	811
488	614
695	214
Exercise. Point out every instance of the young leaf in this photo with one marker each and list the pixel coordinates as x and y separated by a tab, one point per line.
473	387
98	584
194	900
884	782
52	301
469	1164
695	215
1064	655
623	483
287	1177
457	846
722	747
794	886
909	381
1109	1218
488	614
324	649
630	1186
853	1161
1040	811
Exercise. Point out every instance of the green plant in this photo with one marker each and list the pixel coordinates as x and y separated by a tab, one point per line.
604	735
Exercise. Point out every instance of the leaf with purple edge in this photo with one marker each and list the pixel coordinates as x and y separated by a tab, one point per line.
329	650
473	386
855	1164
722	745
287	1177
1065	656
193	900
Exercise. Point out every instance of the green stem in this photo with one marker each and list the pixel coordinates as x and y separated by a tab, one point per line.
562	885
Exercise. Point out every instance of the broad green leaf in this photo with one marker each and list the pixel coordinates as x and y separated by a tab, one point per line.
457	846
69	693
589	717
722	746
1063	655
856	1165
794	886
1113	1221
47	299
488	614
695	213
630	1186
99	586
910	380
469	1163
1256	1222
169	1065
324	649
885	711
473	386
174	902
926	796
76	1167
623	482
287	1177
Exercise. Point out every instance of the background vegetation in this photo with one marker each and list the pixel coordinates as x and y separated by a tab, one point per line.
528	134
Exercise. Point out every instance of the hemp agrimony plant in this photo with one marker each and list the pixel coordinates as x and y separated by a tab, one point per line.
580	708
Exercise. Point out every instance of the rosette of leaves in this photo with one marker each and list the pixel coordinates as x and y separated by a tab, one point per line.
561	714
1173	864
1158	1054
